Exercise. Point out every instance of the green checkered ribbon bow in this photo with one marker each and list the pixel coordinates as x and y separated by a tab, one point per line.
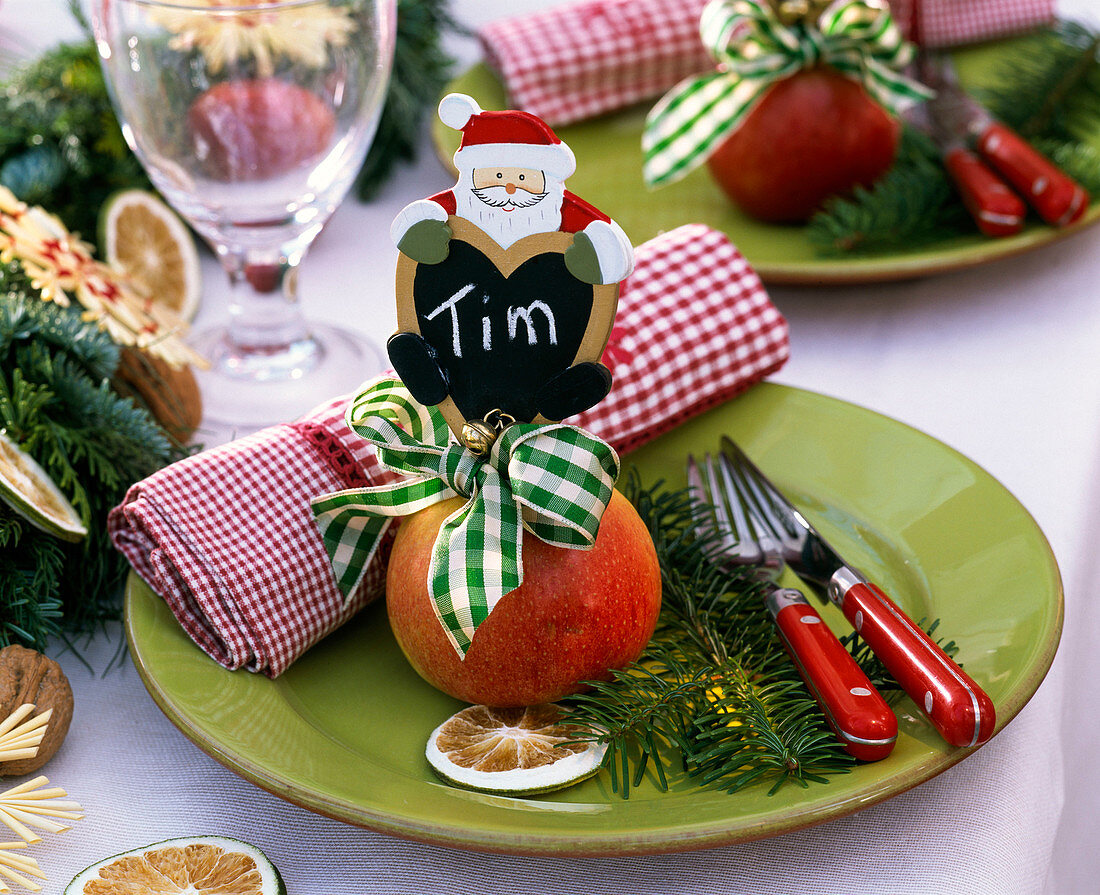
553	480
753	50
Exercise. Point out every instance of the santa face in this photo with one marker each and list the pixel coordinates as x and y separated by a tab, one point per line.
509	203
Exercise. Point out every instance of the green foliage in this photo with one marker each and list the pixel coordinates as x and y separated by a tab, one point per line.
421	69
1048	90
714	690
57	403
60	144
914	203
1051	86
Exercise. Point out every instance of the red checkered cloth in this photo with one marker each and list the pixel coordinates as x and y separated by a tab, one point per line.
583	59
949	23
227	537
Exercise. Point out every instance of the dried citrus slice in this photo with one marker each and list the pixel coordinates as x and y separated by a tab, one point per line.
515	751
143	236
195	865
28	489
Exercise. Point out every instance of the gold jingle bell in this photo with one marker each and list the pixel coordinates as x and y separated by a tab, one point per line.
792	12
477	436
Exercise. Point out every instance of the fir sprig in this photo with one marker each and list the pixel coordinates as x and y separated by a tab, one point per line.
1051	86
913	204
421	69
714	689
1049	91
57	403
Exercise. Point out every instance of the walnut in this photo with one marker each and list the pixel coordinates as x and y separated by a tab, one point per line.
27	676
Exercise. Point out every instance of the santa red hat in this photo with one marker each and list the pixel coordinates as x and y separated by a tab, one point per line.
504	139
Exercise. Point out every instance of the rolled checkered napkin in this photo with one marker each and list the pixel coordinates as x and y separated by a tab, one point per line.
582	59
227	537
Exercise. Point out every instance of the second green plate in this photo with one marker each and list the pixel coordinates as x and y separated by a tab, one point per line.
609	175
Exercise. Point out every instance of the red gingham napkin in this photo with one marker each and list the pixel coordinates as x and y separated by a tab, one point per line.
227	537
583	59
948	23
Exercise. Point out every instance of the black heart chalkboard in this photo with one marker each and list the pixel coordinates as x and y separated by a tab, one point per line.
502	323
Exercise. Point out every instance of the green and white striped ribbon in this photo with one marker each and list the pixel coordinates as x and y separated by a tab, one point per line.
553	480
753	50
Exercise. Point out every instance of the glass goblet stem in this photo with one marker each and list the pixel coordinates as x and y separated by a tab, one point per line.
265	317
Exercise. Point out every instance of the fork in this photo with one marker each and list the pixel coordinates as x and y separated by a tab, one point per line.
856	712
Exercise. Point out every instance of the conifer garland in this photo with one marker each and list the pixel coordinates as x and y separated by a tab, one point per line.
57	403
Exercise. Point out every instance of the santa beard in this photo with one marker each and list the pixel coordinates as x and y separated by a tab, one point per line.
506	227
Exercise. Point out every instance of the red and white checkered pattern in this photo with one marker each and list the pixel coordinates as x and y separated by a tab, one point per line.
948	23
694	328
583	59
227	536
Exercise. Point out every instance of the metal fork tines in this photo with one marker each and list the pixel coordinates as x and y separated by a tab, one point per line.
858	715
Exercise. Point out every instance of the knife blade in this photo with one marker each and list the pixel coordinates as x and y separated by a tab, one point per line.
1055	196
958	708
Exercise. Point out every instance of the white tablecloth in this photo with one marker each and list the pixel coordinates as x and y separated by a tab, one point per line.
999	362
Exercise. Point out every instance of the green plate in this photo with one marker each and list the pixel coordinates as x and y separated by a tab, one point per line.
609	175
342	732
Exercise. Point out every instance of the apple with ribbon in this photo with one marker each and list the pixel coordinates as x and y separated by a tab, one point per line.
520	572
802	104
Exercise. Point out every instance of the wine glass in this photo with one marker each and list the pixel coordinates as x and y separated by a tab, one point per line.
252	118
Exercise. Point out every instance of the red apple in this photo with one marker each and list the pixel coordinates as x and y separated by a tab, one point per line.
252	129
578	614
813	135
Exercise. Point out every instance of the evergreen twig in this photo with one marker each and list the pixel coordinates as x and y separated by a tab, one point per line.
714	687
56	403
1049	92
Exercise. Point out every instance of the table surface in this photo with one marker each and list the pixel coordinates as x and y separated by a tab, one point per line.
999	362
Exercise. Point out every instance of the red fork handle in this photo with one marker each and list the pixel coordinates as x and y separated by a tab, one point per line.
857	713
995	208
1057	198
957	707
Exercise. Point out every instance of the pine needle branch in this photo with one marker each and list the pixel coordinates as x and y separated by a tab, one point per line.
1049	91
714	688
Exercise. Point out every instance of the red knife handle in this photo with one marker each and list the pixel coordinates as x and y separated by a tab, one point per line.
957	707
1057	198
995	208
857	713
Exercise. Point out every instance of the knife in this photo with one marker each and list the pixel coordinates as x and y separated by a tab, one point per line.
961	121
958	708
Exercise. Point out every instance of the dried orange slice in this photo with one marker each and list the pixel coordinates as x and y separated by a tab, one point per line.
197	865
143	236
513	751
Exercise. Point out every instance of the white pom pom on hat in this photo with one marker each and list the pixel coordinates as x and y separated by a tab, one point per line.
509	138
456	110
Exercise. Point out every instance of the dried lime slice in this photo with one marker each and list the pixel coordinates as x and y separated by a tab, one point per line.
143	236
28	489
514	751
197	865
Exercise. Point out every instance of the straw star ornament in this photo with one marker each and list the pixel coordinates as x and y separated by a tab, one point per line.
62	267
32	805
